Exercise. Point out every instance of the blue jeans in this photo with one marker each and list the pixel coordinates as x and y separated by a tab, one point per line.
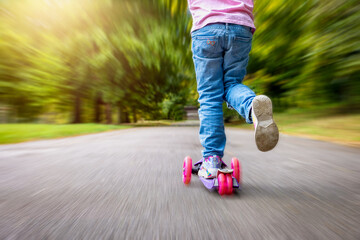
220	54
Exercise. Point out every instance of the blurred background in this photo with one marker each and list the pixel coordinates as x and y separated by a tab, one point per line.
118	61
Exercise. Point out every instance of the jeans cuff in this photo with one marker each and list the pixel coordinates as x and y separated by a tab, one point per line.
229	106
248	114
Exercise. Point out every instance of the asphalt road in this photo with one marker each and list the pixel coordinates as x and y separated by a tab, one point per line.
127	185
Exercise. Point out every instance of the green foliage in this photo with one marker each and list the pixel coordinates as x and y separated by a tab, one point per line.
86	56
307	52
91	59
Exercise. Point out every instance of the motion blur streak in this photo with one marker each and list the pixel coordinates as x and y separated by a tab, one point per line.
66	61
121	61
104	186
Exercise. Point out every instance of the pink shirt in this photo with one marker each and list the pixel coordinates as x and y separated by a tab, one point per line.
224	11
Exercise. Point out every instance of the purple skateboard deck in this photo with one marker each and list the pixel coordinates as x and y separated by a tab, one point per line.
213	183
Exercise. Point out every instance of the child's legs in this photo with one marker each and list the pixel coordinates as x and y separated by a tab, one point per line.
208	61
236	59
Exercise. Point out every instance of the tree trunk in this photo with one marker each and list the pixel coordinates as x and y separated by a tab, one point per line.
77	110
108	113
98	102
120	114
127	120
134	115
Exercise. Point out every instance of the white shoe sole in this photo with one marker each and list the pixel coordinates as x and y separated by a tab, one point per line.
212	171
266	131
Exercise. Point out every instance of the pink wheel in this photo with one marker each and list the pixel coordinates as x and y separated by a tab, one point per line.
187	170
235	165
222	184
229	184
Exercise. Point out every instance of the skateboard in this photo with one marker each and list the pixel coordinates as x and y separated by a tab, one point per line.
226	179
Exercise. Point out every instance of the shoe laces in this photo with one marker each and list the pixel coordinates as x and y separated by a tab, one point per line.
212	161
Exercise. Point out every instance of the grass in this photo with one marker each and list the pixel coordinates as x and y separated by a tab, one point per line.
343	129
14	133
321	125
152	123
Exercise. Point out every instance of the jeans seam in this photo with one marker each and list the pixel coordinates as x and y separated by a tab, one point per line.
203	58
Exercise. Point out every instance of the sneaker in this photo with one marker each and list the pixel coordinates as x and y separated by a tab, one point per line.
210	166
266	131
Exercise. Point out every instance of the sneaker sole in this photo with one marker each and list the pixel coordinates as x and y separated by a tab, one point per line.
204	175
266	131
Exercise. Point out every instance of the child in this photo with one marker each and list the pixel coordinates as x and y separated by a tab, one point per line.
221	41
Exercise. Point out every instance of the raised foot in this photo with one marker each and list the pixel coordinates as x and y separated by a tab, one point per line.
266	130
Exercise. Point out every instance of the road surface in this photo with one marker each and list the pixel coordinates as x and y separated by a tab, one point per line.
127	185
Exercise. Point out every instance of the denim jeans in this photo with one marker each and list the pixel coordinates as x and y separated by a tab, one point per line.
220	54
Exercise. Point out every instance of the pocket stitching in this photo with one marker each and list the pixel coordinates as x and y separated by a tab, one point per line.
243	39
205	37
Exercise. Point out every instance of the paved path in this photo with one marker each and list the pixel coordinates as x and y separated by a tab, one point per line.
127	185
